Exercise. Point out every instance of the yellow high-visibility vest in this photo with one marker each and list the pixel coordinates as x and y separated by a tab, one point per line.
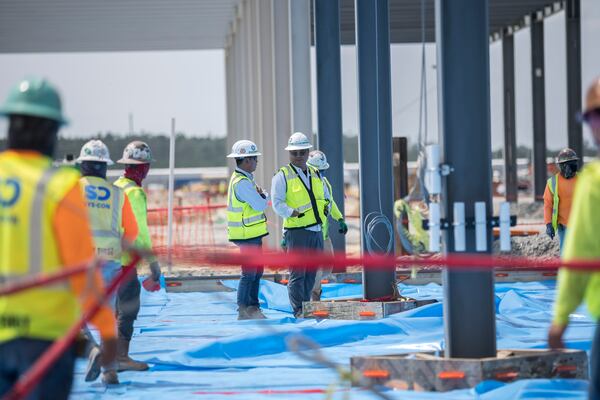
243	222
306	201
105	207
30	192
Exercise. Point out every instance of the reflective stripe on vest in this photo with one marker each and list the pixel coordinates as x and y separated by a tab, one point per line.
553	186
243	222
299	198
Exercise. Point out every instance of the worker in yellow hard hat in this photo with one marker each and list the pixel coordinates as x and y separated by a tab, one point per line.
113	224
44	229
137	157
581	243
317	159
246	223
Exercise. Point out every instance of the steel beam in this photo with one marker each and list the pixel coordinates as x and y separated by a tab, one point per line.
464	121
375	142
329	102
538	96
573	36
300	64
510	134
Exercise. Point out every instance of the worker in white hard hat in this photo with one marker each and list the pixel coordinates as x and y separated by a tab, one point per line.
318	160
246	223
113	223
298	193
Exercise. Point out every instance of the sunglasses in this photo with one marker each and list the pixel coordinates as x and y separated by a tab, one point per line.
590	116
298	153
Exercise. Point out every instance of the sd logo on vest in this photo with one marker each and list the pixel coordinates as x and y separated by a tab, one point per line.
10	191
97	196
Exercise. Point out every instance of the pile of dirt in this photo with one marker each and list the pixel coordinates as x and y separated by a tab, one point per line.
531	210
539	246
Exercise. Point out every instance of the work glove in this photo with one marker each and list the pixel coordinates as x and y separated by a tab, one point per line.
152	283
283	243
550	231
343	227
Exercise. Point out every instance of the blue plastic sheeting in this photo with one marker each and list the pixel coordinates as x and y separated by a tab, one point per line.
197	348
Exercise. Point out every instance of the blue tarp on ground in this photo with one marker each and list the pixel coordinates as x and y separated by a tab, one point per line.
197	348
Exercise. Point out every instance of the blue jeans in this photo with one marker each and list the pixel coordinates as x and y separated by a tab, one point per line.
18	355
302	279
594	393
562	232
247	294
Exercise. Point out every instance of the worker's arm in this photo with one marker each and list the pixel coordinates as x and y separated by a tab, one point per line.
336	214
581	243
137	200
75	246
548	205
246	191
128	222
278	195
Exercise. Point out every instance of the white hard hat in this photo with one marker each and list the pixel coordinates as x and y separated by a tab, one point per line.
317	159
298	141
243	148
136	152
95	150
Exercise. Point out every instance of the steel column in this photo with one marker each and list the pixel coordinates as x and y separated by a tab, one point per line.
573	34
538	96
464	121
510	134
300	64
375	142
282	87
329	101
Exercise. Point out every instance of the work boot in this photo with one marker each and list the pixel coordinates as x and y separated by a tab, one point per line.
255	312
110	377
92	371
124	362
243	313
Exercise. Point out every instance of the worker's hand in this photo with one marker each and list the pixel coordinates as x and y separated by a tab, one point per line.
343	227
550	231
283	243
109	351
555	336
295	213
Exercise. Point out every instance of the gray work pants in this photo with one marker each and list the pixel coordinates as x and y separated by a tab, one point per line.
302	279
323	272
128	305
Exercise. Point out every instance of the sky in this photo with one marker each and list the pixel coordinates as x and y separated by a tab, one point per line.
102	90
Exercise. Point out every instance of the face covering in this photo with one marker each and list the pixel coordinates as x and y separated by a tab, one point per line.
137	172
93	168
568	169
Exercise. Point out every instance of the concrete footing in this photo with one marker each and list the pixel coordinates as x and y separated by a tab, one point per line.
357	309
431	372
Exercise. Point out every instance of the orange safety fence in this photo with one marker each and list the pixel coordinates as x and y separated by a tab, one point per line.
193	225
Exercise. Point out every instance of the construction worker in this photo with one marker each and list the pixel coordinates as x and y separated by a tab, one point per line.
246	222
113	222
137	157
44	229
558	195
298	192
581	243
318	160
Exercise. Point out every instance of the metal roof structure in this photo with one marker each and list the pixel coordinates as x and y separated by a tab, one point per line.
40	26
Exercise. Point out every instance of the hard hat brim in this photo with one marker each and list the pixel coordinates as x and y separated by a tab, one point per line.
236	155
567	160
92	158
129	161
298	147
320	168
32	110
